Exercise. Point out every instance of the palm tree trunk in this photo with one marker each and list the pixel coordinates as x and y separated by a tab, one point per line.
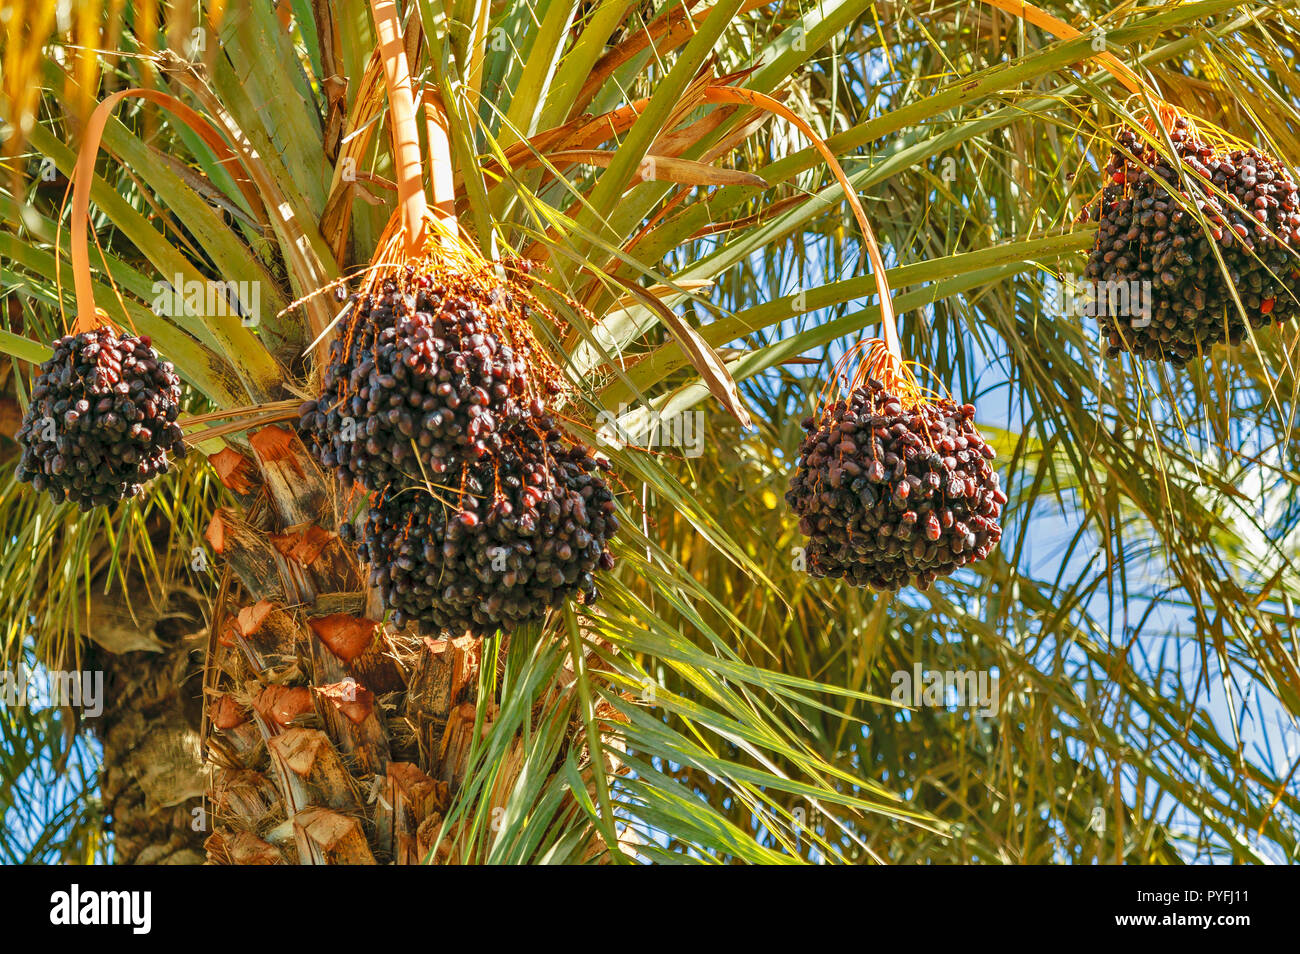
309	767
152	778
332	739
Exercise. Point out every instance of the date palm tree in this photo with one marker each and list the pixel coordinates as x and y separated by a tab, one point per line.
716	704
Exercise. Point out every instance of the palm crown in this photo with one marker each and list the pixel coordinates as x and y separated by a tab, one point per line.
703	269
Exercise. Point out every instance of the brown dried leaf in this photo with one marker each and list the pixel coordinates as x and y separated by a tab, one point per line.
702	357
656	168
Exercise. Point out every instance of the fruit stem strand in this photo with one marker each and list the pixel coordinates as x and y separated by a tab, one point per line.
749	97
441	171
406	135
83	176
